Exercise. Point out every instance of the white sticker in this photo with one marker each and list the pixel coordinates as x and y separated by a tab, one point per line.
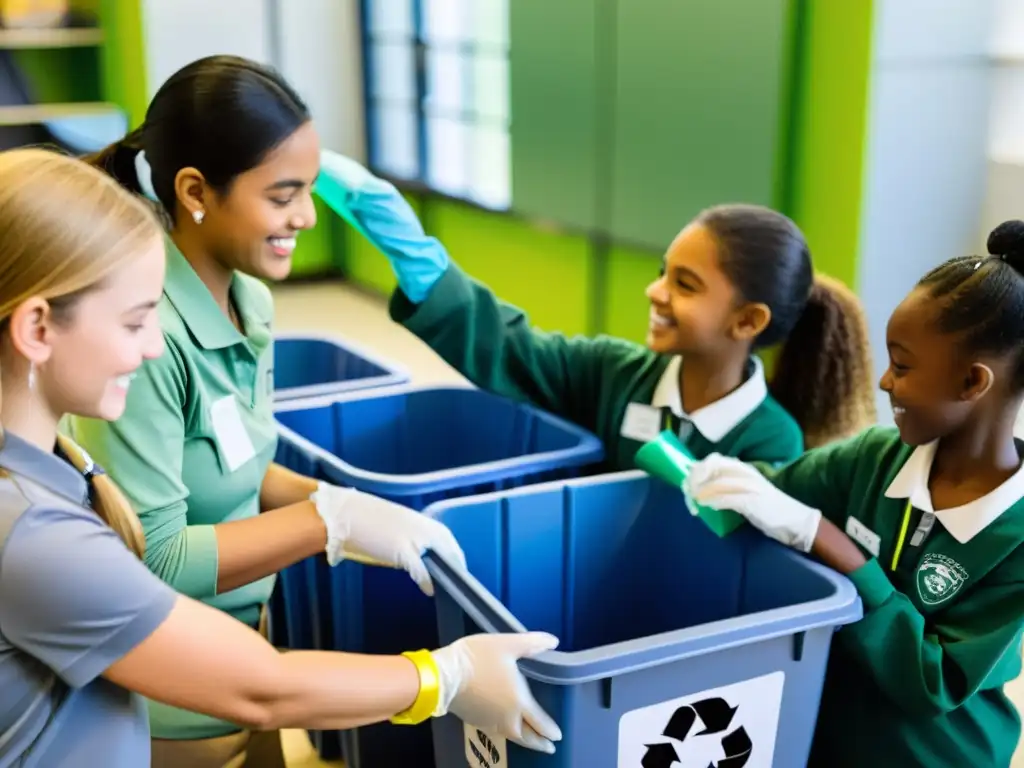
863	535
732	725
230	432
484	750
641	422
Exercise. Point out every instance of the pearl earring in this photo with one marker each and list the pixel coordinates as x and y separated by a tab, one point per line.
31	376
198	216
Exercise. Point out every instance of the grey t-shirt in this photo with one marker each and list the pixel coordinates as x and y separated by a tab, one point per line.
73	600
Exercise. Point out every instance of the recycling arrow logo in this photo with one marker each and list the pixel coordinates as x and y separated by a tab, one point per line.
717	716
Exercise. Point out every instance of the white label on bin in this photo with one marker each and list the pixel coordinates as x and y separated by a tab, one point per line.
485	750
732	725
641	422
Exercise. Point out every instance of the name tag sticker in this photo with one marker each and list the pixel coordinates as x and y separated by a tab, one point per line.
233	440
863	535
641	422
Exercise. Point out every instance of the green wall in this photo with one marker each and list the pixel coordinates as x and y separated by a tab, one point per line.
830	130
123	56
556	126
699	98
546	272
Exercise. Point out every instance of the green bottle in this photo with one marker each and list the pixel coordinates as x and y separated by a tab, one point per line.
666	458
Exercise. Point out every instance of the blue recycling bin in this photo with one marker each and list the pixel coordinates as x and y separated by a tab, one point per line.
414	446
678	648
311	365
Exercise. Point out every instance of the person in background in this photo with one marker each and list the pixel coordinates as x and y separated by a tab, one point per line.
736	280
86	629
927	520
229	152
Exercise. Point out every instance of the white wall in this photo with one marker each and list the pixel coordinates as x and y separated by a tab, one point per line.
927	140
176	32
314	43
321	56
1005	192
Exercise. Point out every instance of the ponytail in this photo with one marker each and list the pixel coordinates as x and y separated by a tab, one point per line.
823	375
118	161
107	499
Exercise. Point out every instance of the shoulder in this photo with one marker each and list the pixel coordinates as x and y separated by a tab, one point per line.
770	434
619	355
770	415
258	296
29	513
874	448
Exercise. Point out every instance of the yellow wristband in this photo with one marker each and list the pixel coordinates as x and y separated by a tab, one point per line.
430	690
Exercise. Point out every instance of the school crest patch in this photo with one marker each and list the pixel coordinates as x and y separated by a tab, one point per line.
939	578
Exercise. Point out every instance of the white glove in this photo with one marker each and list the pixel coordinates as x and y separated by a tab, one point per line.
371	530
723	483
482	686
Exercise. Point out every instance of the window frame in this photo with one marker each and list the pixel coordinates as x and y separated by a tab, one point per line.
423	111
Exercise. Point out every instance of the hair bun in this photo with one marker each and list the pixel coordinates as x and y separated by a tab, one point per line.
1007	240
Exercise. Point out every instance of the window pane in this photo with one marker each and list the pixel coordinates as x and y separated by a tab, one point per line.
390	17
446	155
492	163
447	82
490	23
393	72
394	141
446	21
490	86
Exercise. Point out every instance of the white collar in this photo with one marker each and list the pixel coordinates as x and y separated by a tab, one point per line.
963	522
718	419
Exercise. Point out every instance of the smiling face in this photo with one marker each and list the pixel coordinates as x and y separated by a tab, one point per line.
96	344
253	226
932	383
695	309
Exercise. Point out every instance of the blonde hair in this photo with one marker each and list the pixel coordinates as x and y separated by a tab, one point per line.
64	228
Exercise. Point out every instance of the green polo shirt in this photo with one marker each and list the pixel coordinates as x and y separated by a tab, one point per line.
621	391
193	446
919	680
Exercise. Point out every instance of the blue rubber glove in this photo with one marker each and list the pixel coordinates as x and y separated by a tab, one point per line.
379	212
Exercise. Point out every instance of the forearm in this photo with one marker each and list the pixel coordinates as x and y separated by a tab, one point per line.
282	487
837	550
328	691
248	550
202	660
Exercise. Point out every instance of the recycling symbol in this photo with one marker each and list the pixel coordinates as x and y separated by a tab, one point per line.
717	717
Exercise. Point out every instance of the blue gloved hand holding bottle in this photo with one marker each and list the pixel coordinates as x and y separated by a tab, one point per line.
384	217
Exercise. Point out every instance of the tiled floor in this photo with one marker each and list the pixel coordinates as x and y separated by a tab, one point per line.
337	309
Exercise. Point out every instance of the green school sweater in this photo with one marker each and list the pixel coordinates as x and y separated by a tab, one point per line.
919	680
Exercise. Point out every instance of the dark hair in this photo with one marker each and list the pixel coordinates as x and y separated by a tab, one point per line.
823	374
221	115
983	297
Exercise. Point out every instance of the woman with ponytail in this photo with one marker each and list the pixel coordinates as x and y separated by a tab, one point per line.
86	629
735	280
228	154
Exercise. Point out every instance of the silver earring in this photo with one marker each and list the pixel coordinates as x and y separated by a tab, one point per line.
198	216
31	376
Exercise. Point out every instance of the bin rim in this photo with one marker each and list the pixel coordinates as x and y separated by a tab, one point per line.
395	372
589	449
556	667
